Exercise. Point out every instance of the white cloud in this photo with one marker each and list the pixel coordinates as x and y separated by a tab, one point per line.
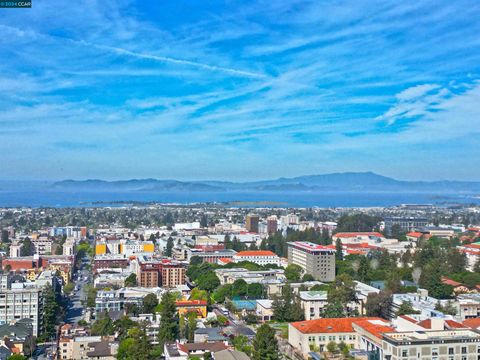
416	91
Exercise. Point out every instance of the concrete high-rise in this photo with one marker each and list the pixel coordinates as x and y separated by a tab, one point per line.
251	223
316	260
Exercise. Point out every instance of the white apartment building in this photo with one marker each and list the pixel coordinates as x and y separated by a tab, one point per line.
22	302
43	245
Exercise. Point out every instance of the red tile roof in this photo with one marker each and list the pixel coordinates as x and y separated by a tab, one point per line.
330	325
225	260
472	323
376	328
426	324
415	234
450	282
191	303
256	253
355	234
452	324
408	318
448	324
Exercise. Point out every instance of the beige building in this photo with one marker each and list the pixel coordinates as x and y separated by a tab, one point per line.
459	344
43	245
316	260
313	303
87	347
264	310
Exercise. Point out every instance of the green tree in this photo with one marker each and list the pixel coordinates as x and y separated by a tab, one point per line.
255	291
59	249
182	327
51	312
406	308
17	357
265	345
103	326
168	320
4	238
338	250
208	281
150	302
307	277
239	288
363	268
241	343
332	347
169	248
68	288
152	238
357	222
197	294
293	272
131	280
341	294
287	307
135	346
191	325
378	305
91	295
196	260
123	325
28	249
431	279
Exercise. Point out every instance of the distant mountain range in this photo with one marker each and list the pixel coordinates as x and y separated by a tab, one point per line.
349	181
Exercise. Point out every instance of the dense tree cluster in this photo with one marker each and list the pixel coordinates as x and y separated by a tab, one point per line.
287	307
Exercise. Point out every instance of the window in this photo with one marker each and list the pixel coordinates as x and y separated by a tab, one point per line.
464	350
404	353
451	351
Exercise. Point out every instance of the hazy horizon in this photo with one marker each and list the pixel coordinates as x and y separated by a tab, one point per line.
228	180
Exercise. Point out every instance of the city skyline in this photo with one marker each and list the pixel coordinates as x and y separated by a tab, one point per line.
235	91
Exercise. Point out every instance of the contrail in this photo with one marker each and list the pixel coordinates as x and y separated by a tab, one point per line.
171	60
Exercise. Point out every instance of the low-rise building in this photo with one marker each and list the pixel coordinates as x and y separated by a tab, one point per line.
472	253
229	276
185	307
264	309
314	335
211	256
117	300
259	257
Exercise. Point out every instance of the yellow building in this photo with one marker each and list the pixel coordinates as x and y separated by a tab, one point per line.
100	249
149	247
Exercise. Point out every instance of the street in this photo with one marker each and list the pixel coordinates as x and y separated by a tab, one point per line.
75	310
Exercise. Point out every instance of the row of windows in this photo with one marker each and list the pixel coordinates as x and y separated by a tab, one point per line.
323	338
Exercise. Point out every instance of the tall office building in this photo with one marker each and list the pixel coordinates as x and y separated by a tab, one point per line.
316	260
272	224
251	223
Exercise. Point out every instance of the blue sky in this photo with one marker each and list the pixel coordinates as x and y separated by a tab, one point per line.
240	90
